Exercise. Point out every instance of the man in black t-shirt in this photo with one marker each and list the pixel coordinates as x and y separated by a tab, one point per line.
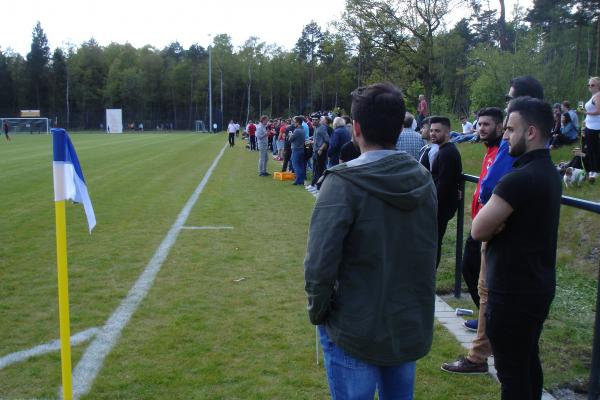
520	223
446	173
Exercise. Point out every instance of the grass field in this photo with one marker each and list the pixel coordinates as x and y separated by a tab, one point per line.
200	333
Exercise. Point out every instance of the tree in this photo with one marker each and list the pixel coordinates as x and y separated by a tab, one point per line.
308	49
404	28
58	84
37	65
222	54
87	72
7	100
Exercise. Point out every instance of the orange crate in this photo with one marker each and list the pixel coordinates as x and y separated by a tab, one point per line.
284	176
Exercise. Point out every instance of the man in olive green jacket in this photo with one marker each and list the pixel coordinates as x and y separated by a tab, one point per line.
370	261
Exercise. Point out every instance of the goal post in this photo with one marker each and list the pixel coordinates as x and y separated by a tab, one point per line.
26	125
200	126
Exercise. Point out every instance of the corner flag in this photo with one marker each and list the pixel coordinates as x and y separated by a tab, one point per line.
69	183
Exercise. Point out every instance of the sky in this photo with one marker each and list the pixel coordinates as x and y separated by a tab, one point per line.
160	22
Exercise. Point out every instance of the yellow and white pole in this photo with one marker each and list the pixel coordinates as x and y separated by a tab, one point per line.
63	298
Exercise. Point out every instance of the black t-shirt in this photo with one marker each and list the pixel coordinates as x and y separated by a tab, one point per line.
521	259
349	151
446	173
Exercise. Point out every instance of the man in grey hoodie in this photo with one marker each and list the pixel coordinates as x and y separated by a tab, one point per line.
371	255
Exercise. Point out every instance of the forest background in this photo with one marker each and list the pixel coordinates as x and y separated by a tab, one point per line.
459	68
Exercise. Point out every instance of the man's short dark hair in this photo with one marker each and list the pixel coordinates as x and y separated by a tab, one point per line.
535	112
527	86
380	110
408	121
299	119
426	121
566	104
494	112
440	120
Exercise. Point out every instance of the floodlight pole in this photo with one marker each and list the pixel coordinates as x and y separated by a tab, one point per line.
210	129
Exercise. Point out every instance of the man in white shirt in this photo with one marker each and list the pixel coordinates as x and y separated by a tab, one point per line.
467	127
231	130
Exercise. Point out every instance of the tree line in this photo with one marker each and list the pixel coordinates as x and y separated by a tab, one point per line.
458	68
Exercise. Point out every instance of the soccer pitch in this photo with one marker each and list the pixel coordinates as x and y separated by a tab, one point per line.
225	316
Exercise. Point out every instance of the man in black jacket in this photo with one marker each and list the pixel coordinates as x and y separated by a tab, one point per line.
446	173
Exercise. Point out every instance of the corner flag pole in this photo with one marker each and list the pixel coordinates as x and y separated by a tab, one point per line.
69	184
63	298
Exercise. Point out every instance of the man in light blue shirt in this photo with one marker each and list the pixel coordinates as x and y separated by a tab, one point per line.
410	140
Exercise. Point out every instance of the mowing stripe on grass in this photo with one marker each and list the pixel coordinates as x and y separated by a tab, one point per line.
206	228
45	348
91	362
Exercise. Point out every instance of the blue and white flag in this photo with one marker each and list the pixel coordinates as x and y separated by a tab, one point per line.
69	183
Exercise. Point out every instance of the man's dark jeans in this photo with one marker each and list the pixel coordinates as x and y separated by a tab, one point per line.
318	166
471	264
514	331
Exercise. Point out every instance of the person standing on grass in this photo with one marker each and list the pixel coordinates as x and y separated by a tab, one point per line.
231	130
320	143
592	126
338	138
262	137
446	173
6	128
251	128
370	260
473	267
520	225
297	144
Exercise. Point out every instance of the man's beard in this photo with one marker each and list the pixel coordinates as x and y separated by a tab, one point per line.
518	148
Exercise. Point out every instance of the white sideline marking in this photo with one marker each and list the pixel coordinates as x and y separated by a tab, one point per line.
45	348
207	228
91	362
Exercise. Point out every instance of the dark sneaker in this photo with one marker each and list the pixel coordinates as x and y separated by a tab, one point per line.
471	325
464	366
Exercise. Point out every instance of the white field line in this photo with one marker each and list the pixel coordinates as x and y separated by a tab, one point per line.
206	228
46	348
91	362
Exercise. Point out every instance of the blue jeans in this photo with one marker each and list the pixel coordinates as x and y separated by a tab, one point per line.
298	164
465	137
352	379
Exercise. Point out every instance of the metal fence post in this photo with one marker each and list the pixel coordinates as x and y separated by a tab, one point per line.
594	384
460	220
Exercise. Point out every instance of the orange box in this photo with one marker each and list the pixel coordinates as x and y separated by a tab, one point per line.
284	176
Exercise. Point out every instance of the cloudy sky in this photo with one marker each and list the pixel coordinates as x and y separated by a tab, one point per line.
159	23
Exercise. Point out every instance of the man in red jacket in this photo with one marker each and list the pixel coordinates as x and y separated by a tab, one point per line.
490	133
252	135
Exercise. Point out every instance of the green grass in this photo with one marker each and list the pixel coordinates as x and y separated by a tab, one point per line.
198	334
